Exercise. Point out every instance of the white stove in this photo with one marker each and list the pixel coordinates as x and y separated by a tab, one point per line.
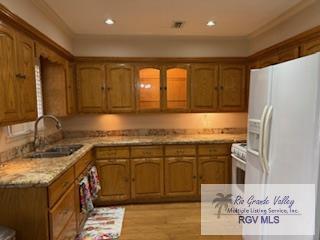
239	156
239	150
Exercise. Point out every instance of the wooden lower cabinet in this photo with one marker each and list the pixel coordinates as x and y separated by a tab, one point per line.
213	170
61	213
147	178
70	230
180	176
114	179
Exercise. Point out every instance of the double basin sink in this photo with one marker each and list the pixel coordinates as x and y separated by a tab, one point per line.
59	151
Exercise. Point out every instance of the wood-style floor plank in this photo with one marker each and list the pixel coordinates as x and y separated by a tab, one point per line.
175	221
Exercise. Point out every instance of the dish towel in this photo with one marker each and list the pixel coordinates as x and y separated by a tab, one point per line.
85	196
94	182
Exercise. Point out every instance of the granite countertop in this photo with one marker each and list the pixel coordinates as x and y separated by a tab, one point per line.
41	172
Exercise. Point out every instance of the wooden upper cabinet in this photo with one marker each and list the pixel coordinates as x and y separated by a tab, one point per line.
232	88
147	178
71	89
91	81
288	54
268	60
176	88
149	87
9	90
54	86
204	88
180	176
27	82
115	179
310	47
121	88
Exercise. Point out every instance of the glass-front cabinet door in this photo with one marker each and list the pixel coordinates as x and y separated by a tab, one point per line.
149	89
176	88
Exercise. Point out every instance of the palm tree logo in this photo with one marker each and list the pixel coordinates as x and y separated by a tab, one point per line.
222	201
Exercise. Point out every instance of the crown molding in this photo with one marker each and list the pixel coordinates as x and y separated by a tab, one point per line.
53	16
13	20
280	19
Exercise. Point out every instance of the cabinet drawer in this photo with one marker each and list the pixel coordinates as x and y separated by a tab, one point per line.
82	164
61	213
146	151
70	230
112	152
180	150
214	149
59	187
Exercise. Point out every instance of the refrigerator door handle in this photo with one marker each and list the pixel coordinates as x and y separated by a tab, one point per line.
261	136
266	139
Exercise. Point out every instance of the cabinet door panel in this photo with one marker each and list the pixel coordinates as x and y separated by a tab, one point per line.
114	175
26	66
120	85
232	87
214	170
177	88
9	95
204	86
71	91
147	177
180	176
149	93
91	84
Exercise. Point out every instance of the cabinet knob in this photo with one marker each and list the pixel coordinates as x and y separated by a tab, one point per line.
133	179
221	87
216	88
102	88
194	177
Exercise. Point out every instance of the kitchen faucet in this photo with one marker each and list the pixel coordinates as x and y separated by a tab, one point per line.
36	141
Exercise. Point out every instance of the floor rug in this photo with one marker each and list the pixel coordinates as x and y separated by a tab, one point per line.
103	224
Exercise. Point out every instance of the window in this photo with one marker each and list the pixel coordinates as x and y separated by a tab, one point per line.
25	129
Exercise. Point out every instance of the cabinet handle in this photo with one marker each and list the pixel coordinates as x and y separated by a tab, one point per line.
133	179
216	88
194	177
165	88
109	88
102	88
19	75
200	177
221	87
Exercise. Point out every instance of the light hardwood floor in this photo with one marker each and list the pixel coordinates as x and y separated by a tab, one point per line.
175	221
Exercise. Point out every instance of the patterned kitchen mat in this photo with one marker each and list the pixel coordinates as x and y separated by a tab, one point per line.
103	224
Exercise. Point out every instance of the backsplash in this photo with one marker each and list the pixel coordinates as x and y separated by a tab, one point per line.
151	132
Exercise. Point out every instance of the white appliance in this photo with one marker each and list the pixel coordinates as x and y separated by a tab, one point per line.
283	128
239	155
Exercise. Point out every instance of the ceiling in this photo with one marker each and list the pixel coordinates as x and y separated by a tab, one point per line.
234	18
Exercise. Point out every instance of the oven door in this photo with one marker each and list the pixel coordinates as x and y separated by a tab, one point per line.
238	174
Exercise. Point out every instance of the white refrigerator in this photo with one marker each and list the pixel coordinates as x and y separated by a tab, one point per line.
283	128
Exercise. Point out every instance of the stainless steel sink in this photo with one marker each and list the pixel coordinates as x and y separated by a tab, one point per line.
59	151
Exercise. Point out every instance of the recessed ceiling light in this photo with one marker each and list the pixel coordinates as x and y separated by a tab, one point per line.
109	21
211	23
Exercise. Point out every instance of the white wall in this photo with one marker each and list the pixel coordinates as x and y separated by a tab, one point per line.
31	14
298	23
159	46
155	120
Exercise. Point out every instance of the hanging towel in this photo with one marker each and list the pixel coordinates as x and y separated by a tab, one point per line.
94	182
85	196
